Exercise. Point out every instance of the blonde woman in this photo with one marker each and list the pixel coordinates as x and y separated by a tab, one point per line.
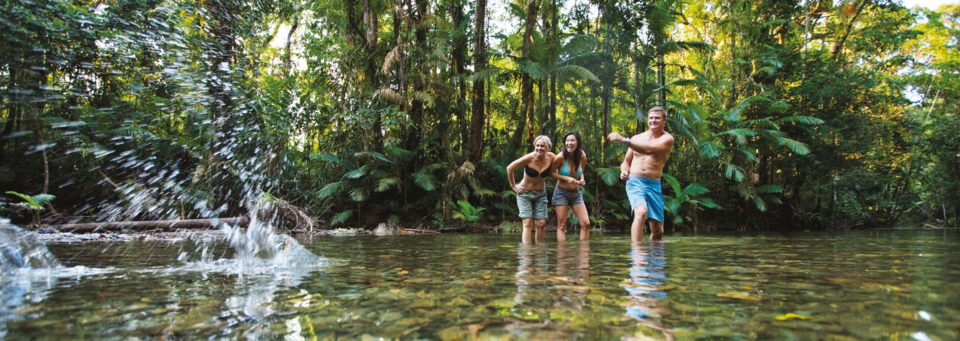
531	191
568	169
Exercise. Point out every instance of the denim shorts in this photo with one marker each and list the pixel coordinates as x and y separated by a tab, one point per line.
567	197
533	204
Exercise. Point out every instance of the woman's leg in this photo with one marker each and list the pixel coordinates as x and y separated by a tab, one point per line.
561	222
541	225
584	218
527	231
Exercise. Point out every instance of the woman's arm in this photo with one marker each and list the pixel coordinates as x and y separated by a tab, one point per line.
512	167
583	173
555	166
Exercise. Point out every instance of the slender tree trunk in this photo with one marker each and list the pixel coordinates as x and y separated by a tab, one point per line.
478	114
458	68
526	90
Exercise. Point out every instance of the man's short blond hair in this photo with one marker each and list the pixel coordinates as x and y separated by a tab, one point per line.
546	139
662	111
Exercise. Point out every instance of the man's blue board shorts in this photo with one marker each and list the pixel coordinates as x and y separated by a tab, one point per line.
642	191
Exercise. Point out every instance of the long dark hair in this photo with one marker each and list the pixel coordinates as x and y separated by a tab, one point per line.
577	153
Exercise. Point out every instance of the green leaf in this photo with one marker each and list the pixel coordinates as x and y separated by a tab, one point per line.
384	184
341	217
610	176
674	184
327	157
484	192
796	147
770	189
424	180
356	173
695	189
330	189
576	70
359	194
739	134
808	120
710	149
375	155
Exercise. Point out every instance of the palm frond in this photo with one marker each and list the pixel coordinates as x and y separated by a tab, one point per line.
576	70
341	217
425	180
766	189
808	120
357	173
746	152
694	190
674	184
710	149
330	189
795	146
610	175
739	134
374	155
385	183
359	194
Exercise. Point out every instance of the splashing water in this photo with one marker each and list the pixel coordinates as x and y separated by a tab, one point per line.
19	249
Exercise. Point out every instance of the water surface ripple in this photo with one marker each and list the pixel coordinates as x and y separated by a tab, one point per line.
864	285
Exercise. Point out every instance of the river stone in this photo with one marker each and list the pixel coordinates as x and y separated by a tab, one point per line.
452	333
422	304
390	316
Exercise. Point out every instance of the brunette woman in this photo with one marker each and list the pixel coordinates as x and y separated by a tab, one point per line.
568	170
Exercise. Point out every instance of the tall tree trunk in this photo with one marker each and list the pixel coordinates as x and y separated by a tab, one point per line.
555	37
457	69
526	90
371	38
605	87
418	13
478	114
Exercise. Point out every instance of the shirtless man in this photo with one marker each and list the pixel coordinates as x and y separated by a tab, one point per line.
642	168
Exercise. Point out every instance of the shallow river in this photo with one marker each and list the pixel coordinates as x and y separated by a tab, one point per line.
864	285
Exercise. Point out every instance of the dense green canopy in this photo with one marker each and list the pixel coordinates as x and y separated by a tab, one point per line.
786	114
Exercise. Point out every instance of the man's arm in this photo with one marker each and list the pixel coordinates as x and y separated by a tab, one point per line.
625	166
653	148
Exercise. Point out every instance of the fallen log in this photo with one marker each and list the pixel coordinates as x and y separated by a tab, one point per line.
413	231
151	225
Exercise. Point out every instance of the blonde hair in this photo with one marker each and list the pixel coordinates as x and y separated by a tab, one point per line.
545	139
662	110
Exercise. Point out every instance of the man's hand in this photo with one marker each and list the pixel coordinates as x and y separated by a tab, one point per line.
624	175
616	137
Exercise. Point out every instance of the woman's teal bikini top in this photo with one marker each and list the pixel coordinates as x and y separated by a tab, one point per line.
566	171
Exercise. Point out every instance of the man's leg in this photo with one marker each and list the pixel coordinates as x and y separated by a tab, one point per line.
561	222
656	229
527	230
639	216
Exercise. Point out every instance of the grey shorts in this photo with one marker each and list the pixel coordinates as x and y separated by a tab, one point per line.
567	197
533	204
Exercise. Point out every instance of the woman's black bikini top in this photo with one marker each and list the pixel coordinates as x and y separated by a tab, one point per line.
533	173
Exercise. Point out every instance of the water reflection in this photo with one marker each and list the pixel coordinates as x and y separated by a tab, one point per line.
645	289
573	269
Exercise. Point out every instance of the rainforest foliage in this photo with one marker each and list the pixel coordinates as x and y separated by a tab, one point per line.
787	114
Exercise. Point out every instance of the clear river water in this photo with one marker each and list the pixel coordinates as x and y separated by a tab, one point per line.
858	285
